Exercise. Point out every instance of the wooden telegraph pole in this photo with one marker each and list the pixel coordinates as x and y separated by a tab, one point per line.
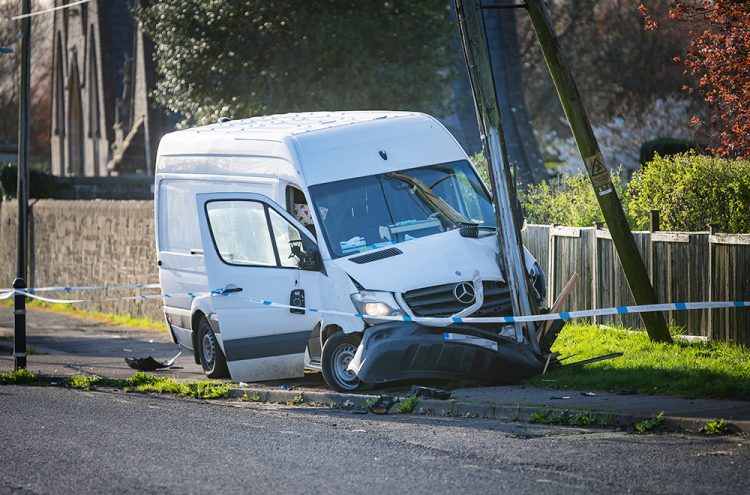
632	264
476	52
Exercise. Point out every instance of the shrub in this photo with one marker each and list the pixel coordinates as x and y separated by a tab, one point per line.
567	200
692	191
41	184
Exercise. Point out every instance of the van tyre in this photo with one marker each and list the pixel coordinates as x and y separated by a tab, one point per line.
211	357
338	351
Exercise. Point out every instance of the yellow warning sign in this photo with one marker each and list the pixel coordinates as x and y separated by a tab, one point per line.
597	170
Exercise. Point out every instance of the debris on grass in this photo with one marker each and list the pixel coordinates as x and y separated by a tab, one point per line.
382	404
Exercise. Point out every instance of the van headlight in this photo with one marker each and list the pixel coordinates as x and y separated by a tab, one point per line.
376	303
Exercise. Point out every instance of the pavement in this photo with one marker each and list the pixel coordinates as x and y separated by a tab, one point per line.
64	345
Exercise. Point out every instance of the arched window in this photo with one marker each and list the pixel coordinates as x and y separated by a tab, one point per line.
58	124
92	86
75	122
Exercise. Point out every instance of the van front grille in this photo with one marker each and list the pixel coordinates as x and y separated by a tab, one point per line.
439	301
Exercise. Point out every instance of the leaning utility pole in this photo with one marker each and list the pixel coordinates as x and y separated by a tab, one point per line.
609	202
22	191
476	51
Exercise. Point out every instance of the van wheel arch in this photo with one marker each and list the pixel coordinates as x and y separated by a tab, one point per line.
327	332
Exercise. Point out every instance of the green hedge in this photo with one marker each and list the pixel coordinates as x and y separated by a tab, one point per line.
41	184
568	200
692	191
688	189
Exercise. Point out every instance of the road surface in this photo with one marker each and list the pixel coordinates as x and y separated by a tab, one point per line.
66	441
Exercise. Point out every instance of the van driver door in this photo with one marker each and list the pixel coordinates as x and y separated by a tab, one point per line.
253	249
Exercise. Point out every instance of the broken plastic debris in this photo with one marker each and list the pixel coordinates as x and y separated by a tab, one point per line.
588	394
554	397
284	387
431	393
382	405
149	363
347	404
244	385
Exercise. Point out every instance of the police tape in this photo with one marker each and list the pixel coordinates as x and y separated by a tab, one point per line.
566	315
83	288
142	297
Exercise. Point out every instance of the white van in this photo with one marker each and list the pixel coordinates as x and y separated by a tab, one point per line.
356	212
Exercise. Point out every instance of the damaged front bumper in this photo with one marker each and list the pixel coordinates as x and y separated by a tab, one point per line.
407	350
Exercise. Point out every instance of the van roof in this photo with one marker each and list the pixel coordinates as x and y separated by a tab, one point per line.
292	124
314	147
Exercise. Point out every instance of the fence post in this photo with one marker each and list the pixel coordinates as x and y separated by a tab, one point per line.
595	271
551	291
653	226
713	228
653	220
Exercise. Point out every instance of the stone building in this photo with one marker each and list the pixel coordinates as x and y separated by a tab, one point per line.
102	121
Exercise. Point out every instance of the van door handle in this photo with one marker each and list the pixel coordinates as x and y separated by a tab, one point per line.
197	252
231	289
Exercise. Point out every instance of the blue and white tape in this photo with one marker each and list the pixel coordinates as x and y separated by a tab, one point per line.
85	288
616	310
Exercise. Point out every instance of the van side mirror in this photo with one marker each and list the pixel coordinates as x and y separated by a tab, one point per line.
308	258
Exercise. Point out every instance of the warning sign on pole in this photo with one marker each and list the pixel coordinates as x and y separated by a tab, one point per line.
597	171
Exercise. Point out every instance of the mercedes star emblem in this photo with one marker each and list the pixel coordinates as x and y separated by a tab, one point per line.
464	292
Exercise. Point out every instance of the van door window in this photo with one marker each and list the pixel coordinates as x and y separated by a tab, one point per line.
240	232
296	204
287	236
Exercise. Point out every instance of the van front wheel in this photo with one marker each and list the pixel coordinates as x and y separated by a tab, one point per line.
338	351
212	359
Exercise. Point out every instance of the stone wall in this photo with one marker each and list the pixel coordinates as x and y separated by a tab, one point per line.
74	243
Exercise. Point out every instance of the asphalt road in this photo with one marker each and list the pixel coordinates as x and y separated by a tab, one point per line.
66	441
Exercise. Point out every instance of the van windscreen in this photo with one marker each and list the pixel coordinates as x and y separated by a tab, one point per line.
370	212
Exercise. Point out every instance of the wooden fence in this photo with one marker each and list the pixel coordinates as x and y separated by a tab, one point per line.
683	266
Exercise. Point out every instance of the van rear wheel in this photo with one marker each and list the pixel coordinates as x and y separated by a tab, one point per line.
212	359
338	351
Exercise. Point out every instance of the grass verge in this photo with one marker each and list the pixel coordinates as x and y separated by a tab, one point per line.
113	319
692	369
139	382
